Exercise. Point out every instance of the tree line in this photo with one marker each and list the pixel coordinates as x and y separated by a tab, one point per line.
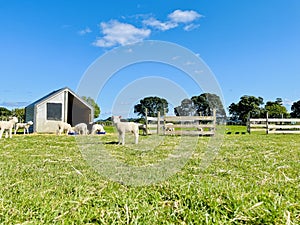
254	107
18	112
203	104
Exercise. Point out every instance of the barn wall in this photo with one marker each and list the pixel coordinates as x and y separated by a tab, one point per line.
42	124
78	112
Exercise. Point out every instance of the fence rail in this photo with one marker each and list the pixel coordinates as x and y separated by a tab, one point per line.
274	125
181	125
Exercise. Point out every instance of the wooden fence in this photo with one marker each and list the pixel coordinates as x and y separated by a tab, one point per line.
181	125
153	124
274	125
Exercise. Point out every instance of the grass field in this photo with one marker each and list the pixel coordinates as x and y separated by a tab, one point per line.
254	179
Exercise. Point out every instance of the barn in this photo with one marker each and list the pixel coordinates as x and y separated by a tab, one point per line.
60	105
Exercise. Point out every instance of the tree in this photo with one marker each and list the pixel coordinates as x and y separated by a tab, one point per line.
20	113
295	110
206	103
153	105
246	105
185	109
92	102
201	105
4	113
276	109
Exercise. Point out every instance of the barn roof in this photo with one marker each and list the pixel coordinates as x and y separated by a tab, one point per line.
53	93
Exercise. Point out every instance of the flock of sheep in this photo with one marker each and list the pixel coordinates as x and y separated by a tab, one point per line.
122	127
81	128
13	122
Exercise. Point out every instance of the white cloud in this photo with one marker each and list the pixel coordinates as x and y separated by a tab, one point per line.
85	31
159	25
117	33
14	104
130	50
198	71
191	26
189	63
287	102
187	16
175	57
174	19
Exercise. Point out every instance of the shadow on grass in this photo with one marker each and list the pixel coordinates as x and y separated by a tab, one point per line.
111	143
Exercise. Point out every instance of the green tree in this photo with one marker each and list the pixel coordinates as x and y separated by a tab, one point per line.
186	108
92	102
295	110
276	109
20	113
4	113
206	103
153	105
201	105
246	105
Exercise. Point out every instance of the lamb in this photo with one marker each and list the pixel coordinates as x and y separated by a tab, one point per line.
81	129
23	125
143	127
7	126
124	127
170	127
97	127
199	128
63	126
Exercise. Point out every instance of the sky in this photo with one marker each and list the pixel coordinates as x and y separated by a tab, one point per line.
251	47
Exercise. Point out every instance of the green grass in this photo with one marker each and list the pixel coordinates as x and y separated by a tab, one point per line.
236	128
254	179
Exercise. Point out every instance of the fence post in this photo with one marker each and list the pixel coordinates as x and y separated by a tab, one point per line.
248	124
146	120
164	129
215	119
158	123
267	123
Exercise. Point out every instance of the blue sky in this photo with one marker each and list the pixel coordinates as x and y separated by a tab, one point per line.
251	46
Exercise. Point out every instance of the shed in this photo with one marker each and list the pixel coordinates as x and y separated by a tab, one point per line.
60	105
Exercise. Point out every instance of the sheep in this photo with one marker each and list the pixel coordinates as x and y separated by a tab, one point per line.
170	127
143	127
199	128
124	127
63	126
7	126
81	129
23	125
97	127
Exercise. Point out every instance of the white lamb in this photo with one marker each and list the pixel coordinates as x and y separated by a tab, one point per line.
199	128
7	126
170	127
23	125
97	127
81	129
124	127
63	126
